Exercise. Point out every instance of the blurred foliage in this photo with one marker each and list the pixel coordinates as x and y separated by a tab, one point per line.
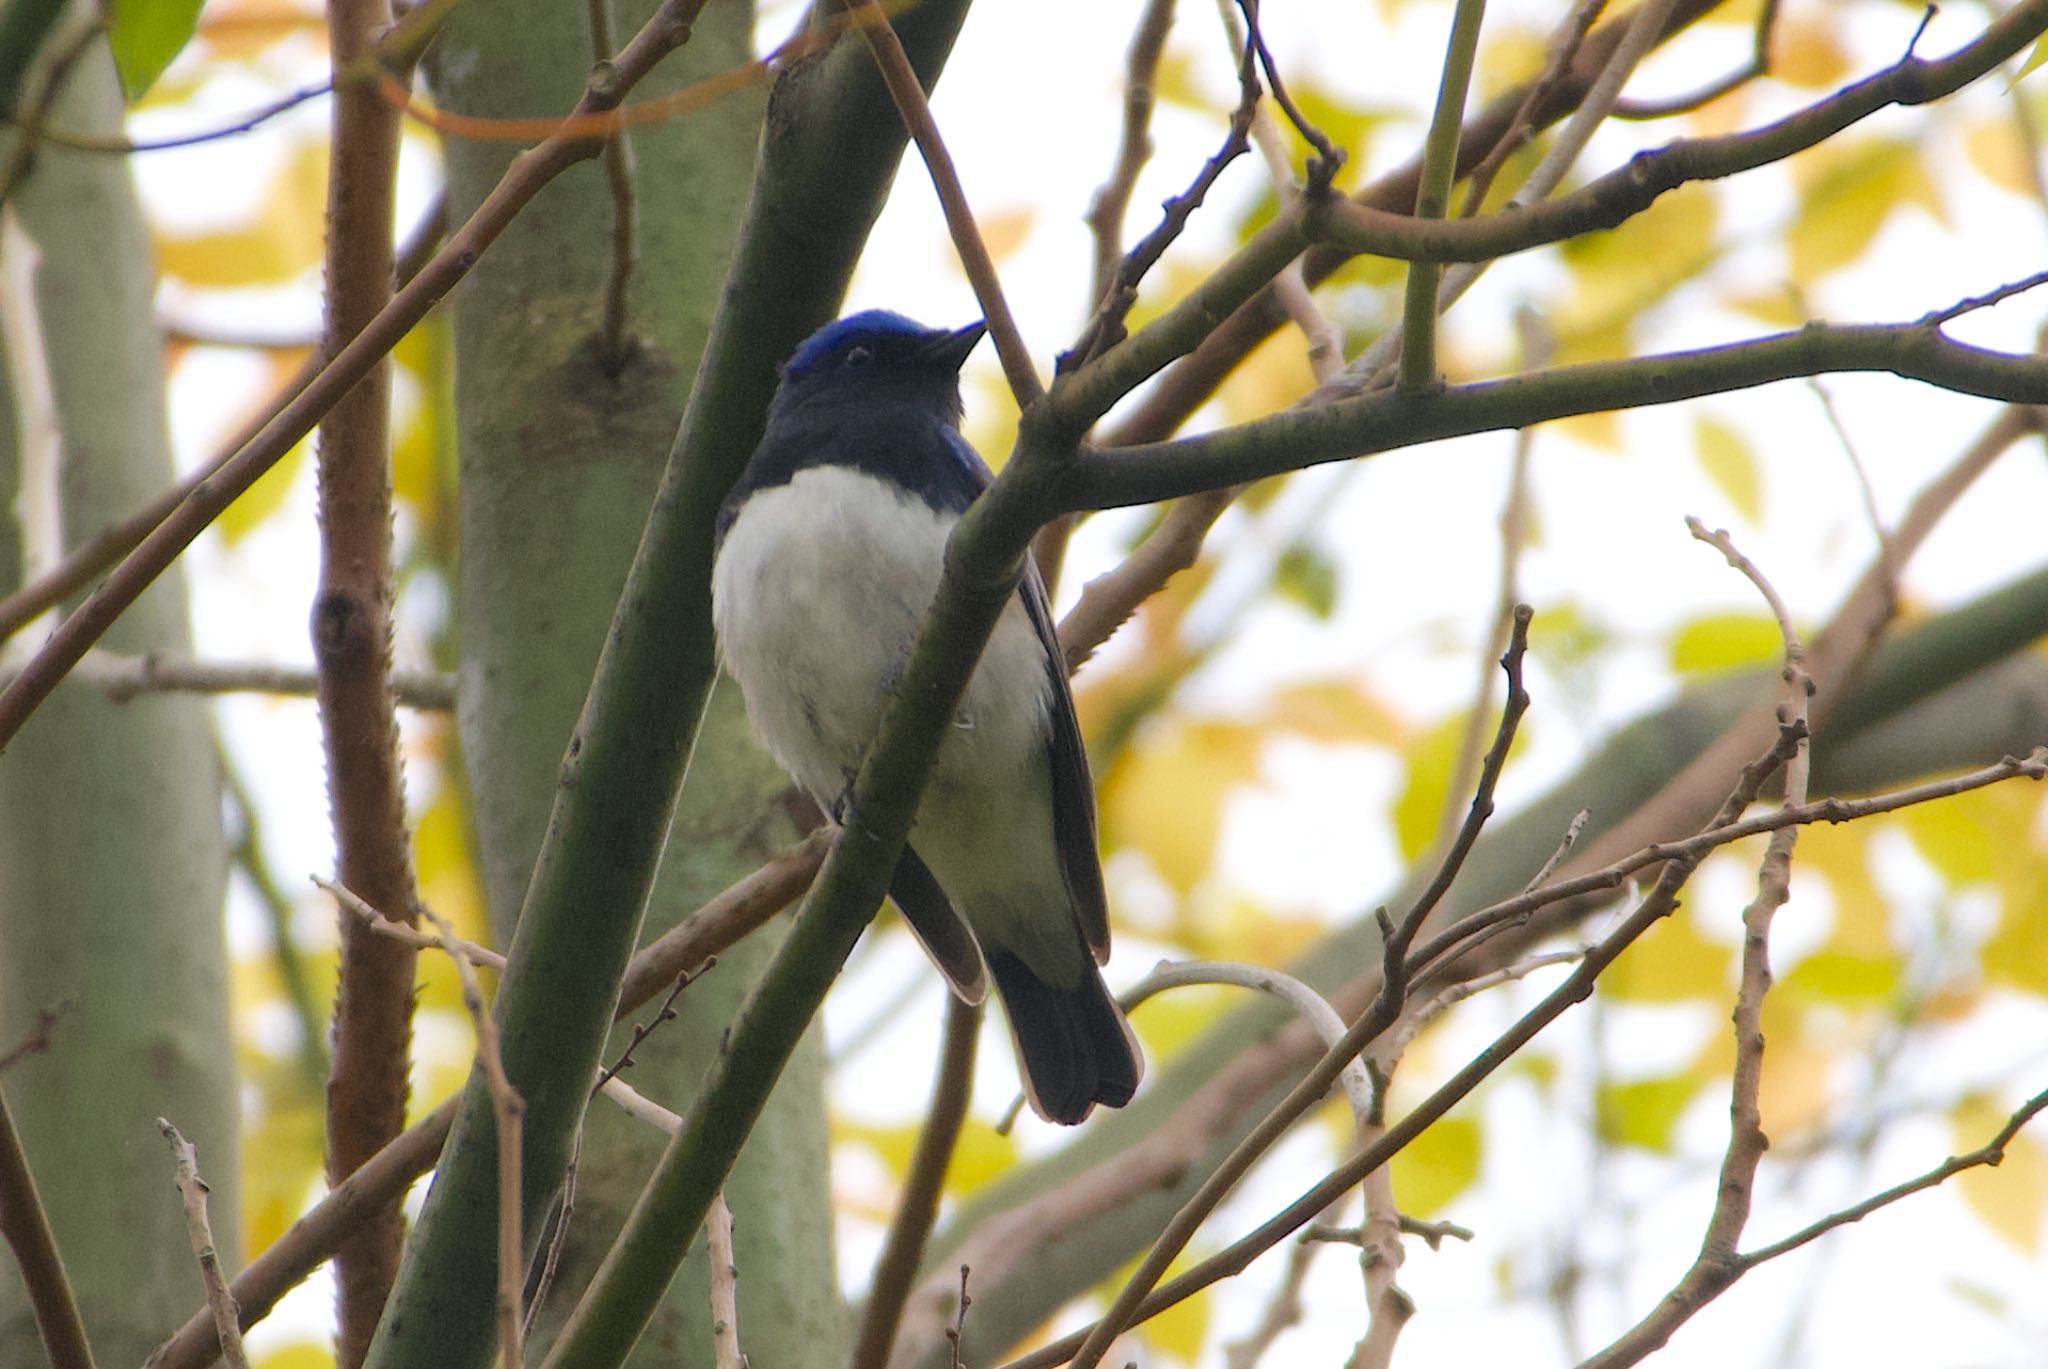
1186	726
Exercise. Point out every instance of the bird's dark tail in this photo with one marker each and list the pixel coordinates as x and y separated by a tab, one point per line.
1075	1047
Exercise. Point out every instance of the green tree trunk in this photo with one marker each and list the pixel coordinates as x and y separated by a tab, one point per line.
562	441
112	857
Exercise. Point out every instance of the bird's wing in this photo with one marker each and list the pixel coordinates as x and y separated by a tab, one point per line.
1073	793
940	930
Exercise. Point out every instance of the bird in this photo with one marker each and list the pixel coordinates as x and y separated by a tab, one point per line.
828	553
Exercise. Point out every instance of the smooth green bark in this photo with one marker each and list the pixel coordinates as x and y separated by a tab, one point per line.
561	448
112	858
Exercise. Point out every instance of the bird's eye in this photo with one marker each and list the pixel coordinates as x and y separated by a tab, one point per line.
858	356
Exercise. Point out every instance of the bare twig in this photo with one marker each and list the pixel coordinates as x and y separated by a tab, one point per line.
1514	537
122	678
1383	1013
1564	47
1106	328
507	1108
1758	65
918	1206
725	1287
25	1227
1329	158
1655	905
226	1317
908	93
614	338
1106	215
643	1030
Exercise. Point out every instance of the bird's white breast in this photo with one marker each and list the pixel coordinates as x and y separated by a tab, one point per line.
817	596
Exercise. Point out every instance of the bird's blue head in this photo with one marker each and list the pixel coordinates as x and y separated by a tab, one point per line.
877	355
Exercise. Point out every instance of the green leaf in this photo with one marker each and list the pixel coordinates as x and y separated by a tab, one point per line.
146	35
1309	578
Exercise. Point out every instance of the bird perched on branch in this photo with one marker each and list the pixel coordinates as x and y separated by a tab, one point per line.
828	556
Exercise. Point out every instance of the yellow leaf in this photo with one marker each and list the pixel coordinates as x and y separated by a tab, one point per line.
298	1354
1511	56
2010	1198
1846	193
1671	963
1619	274
1728	460
1274	376
1644	1112
1724	641
281	244
1995	148
1165	795
281	1159
1418	810
1168	1021
1005	230
1808	53
1437	1166
1340	711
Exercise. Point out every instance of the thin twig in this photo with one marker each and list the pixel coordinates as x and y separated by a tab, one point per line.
1757	67
918	1206
1105	216
25	1227
507	1108
226	1317
1383	1013
1106	328
1329	157
725	1287
908	93
122	678
614	338
1564	47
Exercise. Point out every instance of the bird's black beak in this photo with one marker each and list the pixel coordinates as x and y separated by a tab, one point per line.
950	350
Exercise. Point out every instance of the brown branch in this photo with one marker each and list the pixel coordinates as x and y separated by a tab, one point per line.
908	93
1106	328
917	1208
1194	377
192	1189
310	1240
25	1226
1385	1012
351	632
614	344
1108	601
664	32
1105	217
122	678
